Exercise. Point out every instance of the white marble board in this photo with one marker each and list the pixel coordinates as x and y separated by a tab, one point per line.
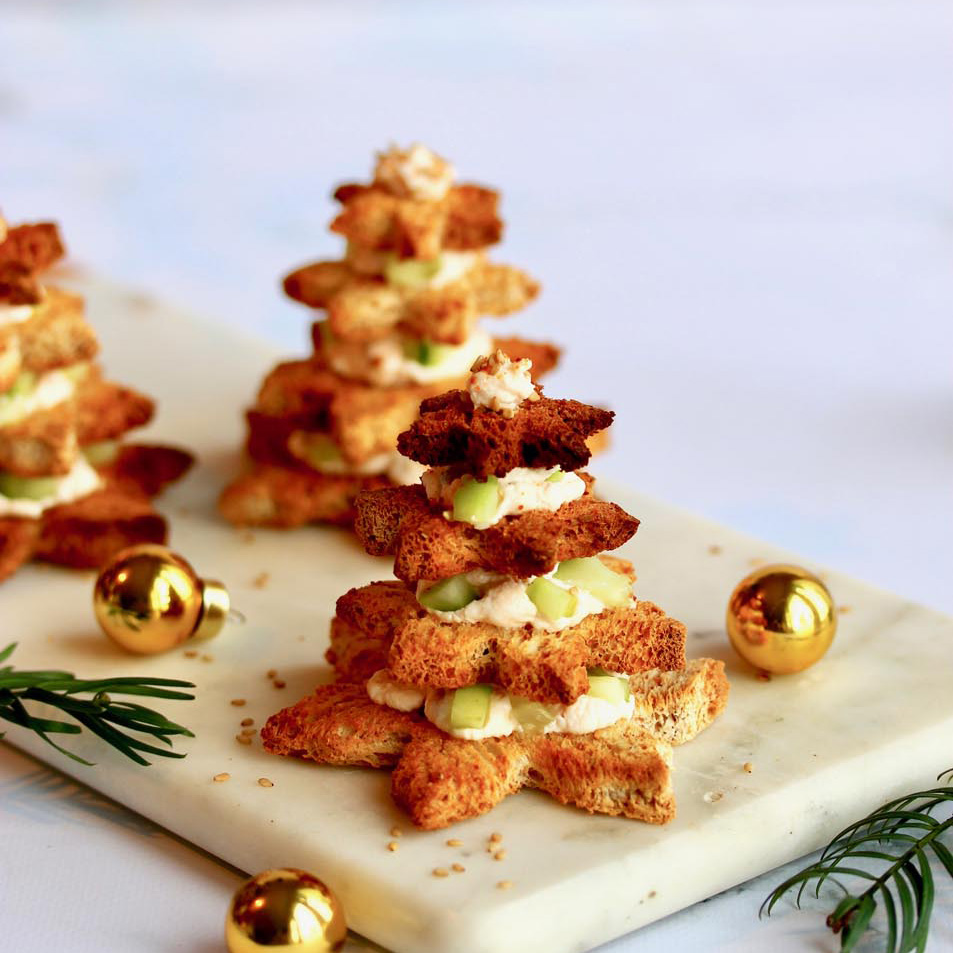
873	719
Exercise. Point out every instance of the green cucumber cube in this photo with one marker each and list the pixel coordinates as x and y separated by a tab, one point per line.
448	595
28	488
608	687
321	449
23	385
410	272
470	707
475	502
532	716
101	454
591	574
555	477
552	601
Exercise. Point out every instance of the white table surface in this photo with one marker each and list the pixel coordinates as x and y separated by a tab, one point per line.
742	216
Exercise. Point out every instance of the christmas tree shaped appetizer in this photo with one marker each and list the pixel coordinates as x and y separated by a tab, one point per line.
69	493
511	651
400	325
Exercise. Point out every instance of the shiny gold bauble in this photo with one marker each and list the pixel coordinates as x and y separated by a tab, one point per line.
149	600
285	909
781	619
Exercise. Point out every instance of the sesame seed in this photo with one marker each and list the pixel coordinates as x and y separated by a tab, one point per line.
265	783
224	776
843	610
495	838
504	884
748	767
261	580
243	739
191	653
395	831
500	855
247	732
271	673
392	846
763	676
208	658
458	868
441	872
714	549
454	842
247	721
279	683
238	702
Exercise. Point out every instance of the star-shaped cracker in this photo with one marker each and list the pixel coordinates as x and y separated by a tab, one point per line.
438	779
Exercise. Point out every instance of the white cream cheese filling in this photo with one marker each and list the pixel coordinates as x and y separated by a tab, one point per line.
396	467
502	385
80	481
384	363
10	359
417	173
50	389
521	490
585	715
16	313
504	603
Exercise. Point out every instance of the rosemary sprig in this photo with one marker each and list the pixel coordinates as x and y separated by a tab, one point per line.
110	720
900	842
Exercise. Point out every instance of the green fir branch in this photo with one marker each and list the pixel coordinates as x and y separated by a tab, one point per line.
891	854
118	723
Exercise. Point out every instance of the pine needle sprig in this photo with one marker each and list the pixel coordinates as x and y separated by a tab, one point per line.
900	842
113	721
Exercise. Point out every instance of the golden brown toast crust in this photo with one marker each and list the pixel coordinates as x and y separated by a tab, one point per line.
276	496
383	626
18	285
465	220
57	335
543	433
401	522
105	411
43	444
438	780
36	246
362	308
146	469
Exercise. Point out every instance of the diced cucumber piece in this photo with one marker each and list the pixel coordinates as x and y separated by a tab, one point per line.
591	574
28	488
470	707
24	383
448	595
532	716
101	454
76	372
476	502
428	353
609	688
552	601
410	272
320	449
555	477
600	672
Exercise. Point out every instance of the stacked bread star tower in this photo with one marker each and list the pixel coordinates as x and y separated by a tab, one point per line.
70	493
510	651
400	325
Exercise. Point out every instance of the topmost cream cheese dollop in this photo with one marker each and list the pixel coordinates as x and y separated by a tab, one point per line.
501	384
414	173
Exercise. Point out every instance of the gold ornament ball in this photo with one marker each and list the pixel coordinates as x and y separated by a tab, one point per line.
285	909
149	600
781	619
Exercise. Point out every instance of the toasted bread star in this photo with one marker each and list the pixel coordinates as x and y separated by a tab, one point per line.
401	522
35	246
438	779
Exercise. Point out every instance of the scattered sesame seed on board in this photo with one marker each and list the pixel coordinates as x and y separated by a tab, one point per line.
224	776
495	838
500	855
763	676
190	653
395	831
245	722
747	767
208	658
243	739
237	702
248	732
504	884
710	797
454	842
279	683
261	580
843	610
458	868
266	783
715	549
271	673
392	846
441	872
